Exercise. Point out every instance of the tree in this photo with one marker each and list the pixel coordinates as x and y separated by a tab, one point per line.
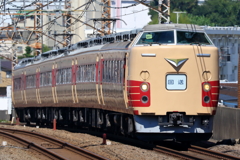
212	12
220	12
153	14
28	50
184	5
45	48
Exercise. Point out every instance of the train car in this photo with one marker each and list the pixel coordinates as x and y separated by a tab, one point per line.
156	83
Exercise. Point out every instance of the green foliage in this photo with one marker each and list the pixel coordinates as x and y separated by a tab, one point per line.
200	20
28	55
4	121
153	14
20	57
183	5
45	48
28	50
220	12
212	12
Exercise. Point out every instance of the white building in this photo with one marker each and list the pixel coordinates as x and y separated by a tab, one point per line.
227	39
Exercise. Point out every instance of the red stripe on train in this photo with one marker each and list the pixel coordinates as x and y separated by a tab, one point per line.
136	96
213	94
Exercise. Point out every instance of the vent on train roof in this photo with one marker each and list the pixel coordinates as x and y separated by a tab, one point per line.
122	37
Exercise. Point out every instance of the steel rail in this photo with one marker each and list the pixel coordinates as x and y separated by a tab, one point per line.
211	153
33	146
175	153
78	150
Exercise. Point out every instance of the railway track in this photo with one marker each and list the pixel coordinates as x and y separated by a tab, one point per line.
195	153
211	153
48	146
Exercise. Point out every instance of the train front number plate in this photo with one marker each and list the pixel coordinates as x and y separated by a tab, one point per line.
176	82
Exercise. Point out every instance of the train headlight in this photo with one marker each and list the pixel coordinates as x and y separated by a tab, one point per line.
144	87
206	87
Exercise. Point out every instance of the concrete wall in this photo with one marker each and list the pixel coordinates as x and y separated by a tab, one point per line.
4	115
6	104
226	123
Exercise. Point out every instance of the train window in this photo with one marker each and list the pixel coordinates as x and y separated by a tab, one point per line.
86	73
64	76
116	71
122	72
105	71
31	81
17	83
119	71
166	37
108	71
113	71
45	79
186	37
69	75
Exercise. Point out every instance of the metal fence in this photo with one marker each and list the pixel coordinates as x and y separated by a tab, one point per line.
226	124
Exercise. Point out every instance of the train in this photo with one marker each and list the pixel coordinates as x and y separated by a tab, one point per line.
156	83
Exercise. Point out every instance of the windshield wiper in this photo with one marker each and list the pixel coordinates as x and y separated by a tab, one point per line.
199	43
154	43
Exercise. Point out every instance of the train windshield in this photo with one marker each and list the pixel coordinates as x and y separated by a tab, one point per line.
186	37
157	37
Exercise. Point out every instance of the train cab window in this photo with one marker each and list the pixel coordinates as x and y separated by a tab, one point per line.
186	37
161	37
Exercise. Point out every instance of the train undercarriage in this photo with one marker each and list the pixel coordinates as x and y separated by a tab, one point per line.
79	117
114	122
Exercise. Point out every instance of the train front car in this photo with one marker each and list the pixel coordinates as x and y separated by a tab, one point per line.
173	83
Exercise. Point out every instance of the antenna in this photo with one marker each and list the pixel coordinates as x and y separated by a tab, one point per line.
178	12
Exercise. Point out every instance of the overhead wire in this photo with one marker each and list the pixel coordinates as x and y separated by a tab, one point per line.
21	9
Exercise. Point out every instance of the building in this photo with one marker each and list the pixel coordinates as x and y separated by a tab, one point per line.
5	89
227	39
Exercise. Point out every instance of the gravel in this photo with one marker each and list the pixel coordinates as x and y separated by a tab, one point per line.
233	150
114	151
15	151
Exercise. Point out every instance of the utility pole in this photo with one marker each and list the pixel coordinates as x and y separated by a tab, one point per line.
106	15
177	12
68	35
164	14
38	28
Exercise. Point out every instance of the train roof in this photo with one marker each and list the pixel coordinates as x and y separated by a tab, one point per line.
71	50
114	41
172	26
